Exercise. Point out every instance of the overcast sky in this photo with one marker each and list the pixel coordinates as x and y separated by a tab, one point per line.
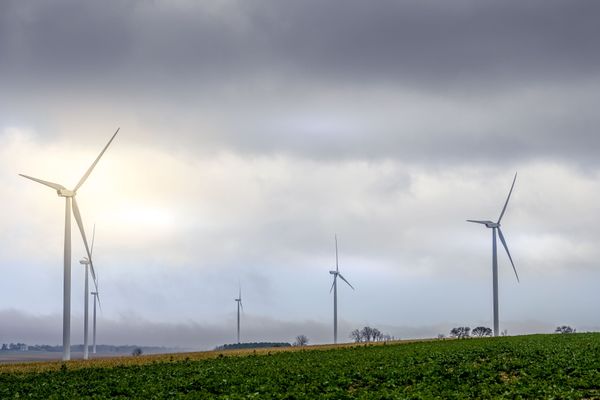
253	131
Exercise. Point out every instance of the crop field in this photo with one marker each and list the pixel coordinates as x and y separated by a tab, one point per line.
537	366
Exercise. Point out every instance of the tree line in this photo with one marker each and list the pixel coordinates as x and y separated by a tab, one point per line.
462	332
368	334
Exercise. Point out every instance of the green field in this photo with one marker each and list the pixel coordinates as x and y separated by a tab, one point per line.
537	366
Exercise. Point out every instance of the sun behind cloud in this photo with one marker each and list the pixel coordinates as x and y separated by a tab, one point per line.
144	216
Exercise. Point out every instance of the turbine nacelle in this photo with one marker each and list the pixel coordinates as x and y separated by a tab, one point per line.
66	193
333	272
85	261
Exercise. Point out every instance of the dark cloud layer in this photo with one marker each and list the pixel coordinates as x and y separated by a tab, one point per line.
414	42
423	81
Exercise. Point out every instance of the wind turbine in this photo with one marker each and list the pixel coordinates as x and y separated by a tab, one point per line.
96	298
495	226
96	295
239	305
336	274
71	207
86	261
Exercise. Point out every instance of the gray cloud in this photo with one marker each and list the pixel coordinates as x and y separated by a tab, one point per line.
413	42
425	82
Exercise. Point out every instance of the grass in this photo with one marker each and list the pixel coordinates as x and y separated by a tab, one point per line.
536	366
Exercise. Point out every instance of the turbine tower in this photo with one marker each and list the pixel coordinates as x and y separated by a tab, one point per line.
336	274
495	226
96	298
239	305
86	262
96	295
71	207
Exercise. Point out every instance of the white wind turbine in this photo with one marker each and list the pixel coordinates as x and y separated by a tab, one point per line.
71	207
336	274
495	226
86	262
96	298
239	305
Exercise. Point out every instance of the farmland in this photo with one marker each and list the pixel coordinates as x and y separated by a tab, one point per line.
536	366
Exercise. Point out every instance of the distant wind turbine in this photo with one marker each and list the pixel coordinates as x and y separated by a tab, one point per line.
86	261
71	206
96	298
239	305
495	226
336	274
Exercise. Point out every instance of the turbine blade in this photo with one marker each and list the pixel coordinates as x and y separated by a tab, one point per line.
241	305
93	237
507	252
77	215
337	269
333	284
508	198
93	275
98	297
53	185
344	279
479	222
97	291
89	171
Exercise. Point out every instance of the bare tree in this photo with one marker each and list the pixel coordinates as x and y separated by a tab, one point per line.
367	334
301	340
356	336
137	352
377	335
481	331
564	329
460	332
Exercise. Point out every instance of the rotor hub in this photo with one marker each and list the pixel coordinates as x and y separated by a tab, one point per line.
65	193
